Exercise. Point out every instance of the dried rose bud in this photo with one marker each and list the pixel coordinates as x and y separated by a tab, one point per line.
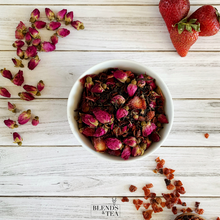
151	83
17	63
97	88
24	117
154	95
99	144
102	116
136	151
61	15
148	128
153	104
121	75
36	42
33	62
130	141
113	143
28	38
20	53
12	107
68	18
26	96
118	99
88	132
6	73
100	132
50	14
53	25
116	153
155	137
34	33
18	79
19	35
30	52
137	103
141	83
17	138
121	113
35	121
35	15
30	89
21	27
18	43
10	123
39	24
4	92
112	126
63	32
89	83
126	153
40	85
78	25
162	119
54	39
132	88
47	46
90	120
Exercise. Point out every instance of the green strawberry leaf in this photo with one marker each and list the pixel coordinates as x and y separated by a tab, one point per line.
189	28
192	21
180	28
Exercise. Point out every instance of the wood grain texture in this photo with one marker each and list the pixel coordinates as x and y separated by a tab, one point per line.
135	28
72	171
193	118
195	76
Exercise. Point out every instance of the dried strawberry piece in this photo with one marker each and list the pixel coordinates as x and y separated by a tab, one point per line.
178	183
147	214
158	200
218	218
183	210
150	185
163	204
153	195
155	207
170	187
179	202
137	203
197	204
206	135
150	115
125	199
146	191
146	205
132	188
188	210
166	196
168	182
180	189
174	210
183	204
157	159
199	211
170	176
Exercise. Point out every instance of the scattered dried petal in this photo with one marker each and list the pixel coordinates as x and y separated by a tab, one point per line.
26	96
17	138
35	15
78	25
50	14
68	18
17	63
125	199
6	73
4	92
61	15
10	123
18	79
63	32
35	121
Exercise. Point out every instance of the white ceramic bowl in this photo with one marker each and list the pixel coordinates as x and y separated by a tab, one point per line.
75	95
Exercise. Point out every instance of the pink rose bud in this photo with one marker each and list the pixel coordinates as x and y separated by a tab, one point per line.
88	132
116	153
36	42
141	83
18	79
120	75
4	92
34	33
19	35
50	14
100	132
136	151
148	128
90	120
24	117
113	143
12	107
162	119
54	39
17	138
126	153
153	104
124	129
99	144
35	15
33	62
132	88
130	141
6	73
102	116
151	83
35	121
20	53
39	24
78	25
21	27
26	96
61	15
47	46
53	25
68	18
118	100
89	83
30	52
121	113
40	85
17	63
155	137
10	123
18	43
28	38
97	88
63	32
30	89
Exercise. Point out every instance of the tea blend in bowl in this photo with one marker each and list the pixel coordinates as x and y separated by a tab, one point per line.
121	112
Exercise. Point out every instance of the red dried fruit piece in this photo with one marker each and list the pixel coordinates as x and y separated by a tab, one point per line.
155	137
180	189
189	210
179	202
78	25
146	205
4	92
99	144
137	203
47	46
125	199
197	204
183	210
178	183
200	211
158	200
167	182
157	159
171	187
174	210
147	214
153	195
26	96
132	188
137	103
218	218
183	204
150	185
146	191
206	135
170	176
150	115
163	204
167	171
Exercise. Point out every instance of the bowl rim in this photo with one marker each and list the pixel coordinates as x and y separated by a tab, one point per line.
95	69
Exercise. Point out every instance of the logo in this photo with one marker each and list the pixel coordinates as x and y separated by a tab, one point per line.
106	210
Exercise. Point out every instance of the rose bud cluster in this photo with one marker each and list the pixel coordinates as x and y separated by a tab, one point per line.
122	113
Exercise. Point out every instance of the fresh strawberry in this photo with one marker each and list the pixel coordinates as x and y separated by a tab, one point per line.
183	35
209	19
137	103
173	11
